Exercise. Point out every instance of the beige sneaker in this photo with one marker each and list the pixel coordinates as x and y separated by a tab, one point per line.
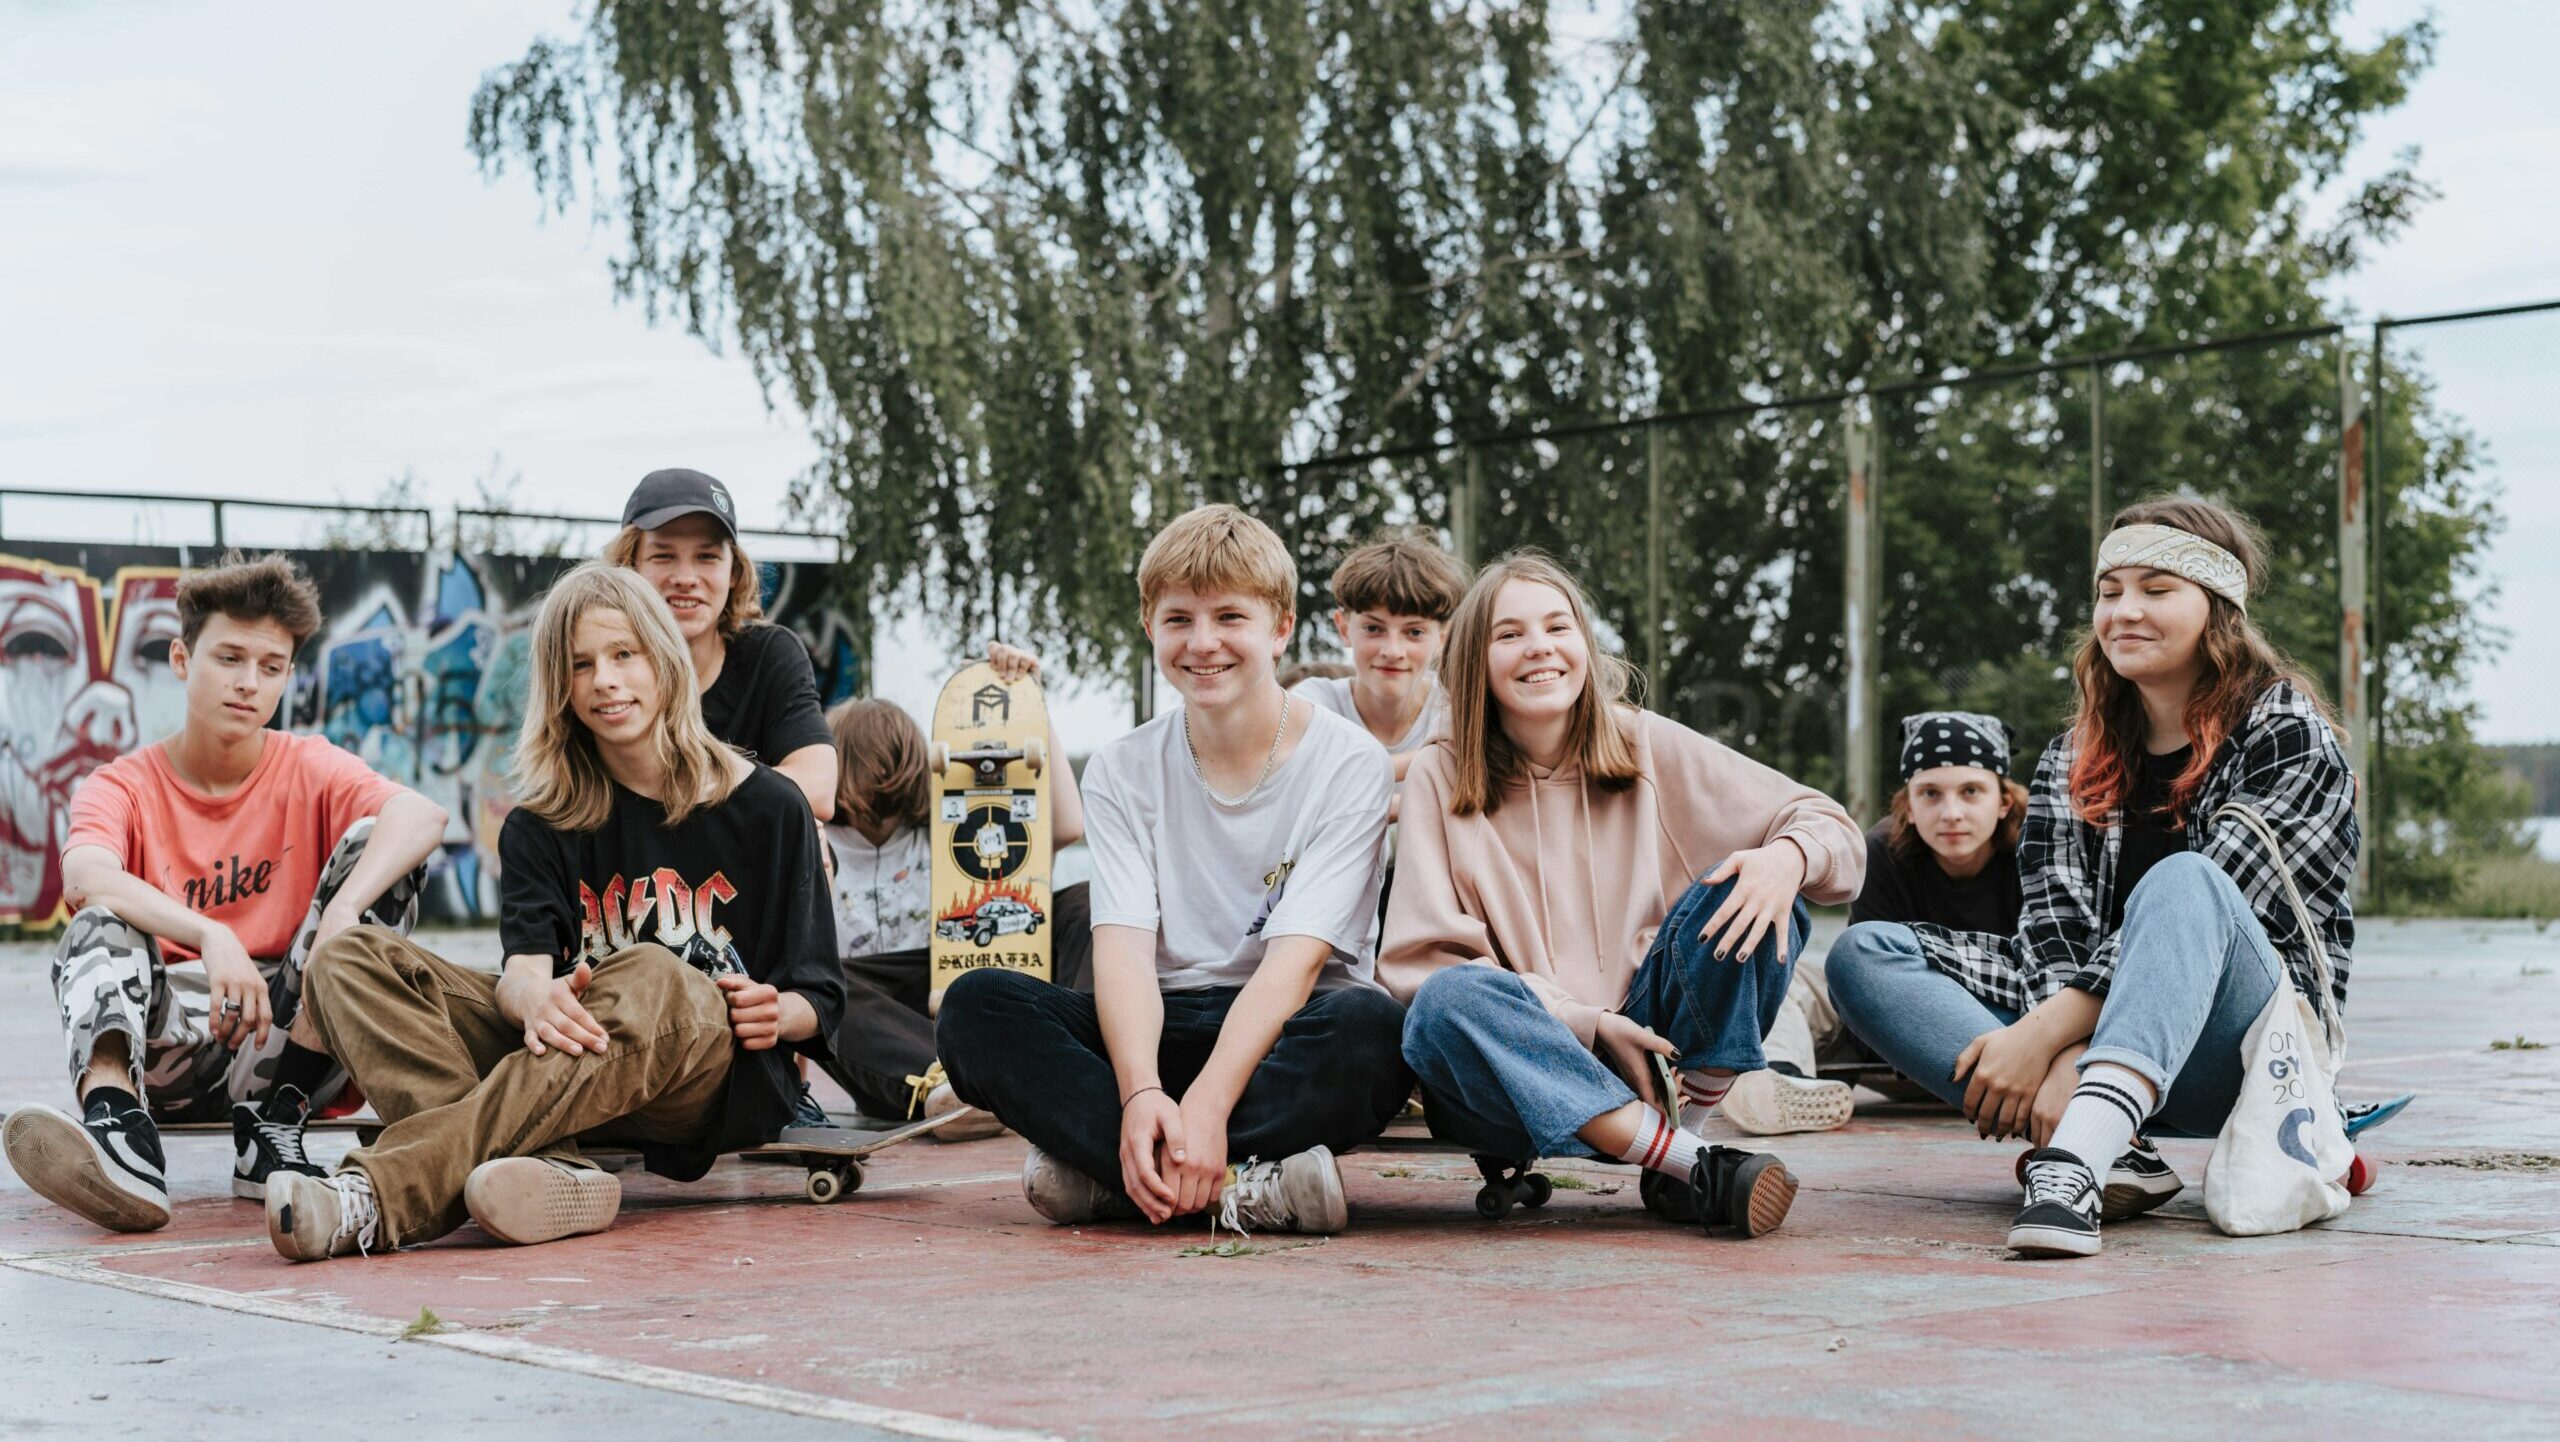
976	1126
310	1217
1771	1103
525	1200
1068	1197
1294	1194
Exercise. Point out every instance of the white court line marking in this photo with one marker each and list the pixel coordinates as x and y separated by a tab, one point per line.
536	1354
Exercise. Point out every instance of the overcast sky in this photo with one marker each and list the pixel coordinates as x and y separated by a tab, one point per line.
246	252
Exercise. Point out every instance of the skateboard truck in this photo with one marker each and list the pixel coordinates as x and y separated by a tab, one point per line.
987	763
1508	1184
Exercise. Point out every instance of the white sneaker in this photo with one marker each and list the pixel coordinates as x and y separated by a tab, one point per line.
525	1200
1769	1103
309	1218
1068	1197
976	1126
1294	1194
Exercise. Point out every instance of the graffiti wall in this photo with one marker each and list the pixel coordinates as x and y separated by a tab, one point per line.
419	669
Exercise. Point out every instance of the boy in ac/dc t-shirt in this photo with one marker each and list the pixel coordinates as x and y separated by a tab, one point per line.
239	849
667	937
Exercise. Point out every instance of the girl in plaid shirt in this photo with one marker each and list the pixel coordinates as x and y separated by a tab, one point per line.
2155	924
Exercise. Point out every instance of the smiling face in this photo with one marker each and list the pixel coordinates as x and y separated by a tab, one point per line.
1956	809
2151	624
1539	657
613	690
690	562
1216	649
235	675
1390	653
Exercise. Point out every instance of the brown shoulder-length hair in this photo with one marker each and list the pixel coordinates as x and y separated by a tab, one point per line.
746	583
1904	840
1598	734
881	772
2239	664
559	775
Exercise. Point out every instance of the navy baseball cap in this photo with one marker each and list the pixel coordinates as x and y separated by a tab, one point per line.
663	496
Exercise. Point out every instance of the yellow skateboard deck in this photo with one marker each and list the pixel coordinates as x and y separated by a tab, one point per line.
990	804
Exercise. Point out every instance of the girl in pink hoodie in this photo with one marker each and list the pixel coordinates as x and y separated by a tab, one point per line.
1584	885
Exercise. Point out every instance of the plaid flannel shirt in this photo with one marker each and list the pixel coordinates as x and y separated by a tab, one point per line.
2284	762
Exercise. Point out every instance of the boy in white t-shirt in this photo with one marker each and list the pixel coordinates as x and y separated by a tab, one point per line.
1392	600
1235	1014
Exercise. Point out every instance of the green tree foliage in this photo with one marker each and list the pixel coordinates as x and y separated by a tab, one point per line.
1042	272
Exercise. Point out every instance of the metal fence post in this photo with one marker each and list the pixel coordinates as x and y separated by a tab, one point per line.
1653	564
1859	619
2353	713
2097	459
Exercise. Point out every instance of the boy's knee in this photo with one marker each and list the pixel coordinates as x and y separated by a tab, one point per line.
1862	954
94	927
1453	992
1370	1018
2185	875
974	996
356	949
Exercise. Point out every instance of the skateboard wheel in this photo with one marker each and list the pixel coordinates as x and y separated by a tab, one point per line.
824	1185
1035	755
2359	1176
851	1177
938	754
1536	1190
1493	1200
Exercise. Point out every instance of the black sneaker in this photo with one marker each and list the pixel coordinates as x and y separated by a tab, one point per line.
1749	1192
266	1138
107	1165
2140	1180
2061	1215
805	1111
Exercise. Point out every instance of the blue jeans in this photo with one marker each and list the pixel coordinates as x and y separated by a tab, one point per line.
1502	1076
2194	971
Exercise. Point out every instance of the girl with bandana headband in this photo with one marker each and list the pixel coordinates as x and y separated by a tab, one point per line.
2155	922
1946	854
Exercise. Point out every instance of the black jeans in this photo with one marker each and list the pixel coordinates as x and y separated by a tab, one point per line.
1032	1053
886	1037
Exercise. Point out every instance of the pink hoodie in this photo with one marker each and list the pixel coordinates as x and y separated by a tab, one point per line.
1565	884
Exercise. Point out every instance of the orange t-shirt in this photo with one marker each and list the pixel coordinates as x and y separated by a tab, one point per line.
250	860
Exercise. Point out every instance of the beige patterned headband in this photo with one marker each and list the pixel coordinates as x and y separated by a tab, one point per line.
2180	553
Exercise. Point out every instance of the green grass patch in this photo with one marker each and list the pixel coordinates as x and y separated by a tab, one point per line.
2516	1044
1567	1182
1241	1248
2522	887
425	1324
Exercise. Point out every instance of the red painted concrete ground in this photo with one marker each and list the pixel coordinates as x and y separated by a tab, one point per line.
935	1303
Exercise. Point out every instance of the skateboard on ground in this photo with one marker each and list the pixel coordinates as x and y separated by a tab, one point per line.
990	806
1509	1183
833	1155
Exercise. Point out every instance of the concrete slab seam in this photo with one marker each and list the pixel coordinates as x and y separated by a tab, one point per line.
534	1354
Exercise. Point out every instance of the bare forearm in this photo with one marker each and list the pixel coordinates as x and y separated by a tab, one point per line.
1132	1010
813	770
406	832
95	879
799	1018
2064	1018
1281	985
1066	803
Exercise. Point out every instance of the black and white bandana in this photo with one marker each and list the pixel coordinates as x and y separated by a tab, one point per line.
1954	738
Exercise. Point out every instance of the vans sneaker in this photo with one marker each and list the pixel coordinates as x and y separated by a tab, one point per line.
1749	1192
267	1138
1068	1197
2140	1180
310	1217
1770	1103
526	1200
2060	1218
1294	1194
107	1165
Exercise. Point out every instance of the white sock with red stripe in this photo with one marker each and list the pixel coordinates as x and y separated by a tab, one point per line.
1660	1145
1700	1092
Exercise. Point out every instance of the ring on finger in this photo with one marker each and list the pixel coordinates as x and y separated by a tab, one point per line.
231	1006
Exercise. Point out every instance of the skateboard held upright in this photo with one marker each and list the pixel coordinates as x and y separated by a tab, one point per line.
990	759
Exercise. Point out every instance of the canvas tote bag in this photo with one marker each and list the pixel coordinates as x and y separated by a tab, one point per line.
2282	1160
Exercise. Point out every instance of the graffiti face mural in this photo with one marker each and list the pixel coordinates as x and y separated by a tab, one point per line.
420	671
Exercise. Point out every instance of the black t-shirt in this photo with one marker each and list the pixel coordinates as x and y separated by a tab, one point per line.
765	701
2149	835
736	887
1914	888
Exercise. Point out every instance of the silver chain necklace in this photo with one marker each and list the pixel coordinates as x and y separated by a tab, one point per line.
1249	792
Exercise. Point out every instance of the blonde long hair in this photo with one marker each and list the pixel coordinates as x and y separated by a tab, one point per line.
559	774
1596	734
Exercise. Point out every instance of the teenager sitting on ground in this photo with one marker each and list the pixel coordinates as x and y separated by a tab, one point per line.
883	841
1946	853
1235	897
234	846
1391	605
2154	926
664	919
759	693
1585	885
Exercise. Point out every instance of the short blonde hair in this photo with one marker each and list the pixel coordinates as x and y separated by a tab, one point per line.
558	773
746	583
1217	549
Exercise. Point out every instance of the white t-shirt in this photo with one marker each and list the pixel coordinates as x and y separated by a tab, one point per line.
1216	883
1333	693
884	893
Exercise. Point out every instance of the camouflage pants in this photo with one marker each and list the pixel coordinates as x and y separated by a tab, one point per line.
108	977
